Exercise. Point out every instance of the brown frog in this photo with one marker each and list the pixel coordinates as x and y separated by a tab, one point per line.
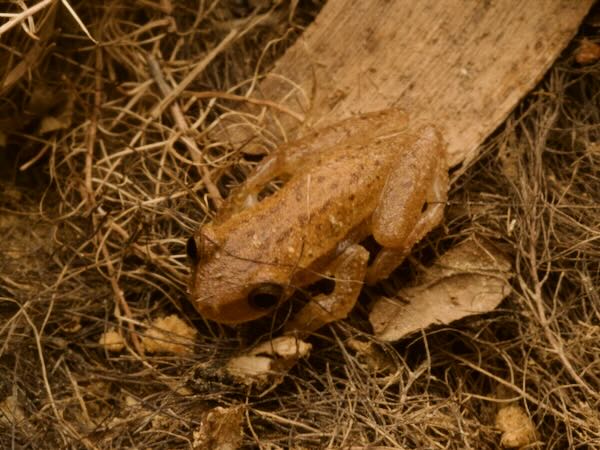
370	175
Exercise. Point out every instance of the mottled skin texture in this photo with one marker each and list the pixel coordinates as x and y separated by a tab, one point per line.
368	175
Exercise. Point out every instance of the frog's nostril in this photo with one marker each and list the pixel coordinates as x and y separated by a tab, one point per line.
265	296
424	207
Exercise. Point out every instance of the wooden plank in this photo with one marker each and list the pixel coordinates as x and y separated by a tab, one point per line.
463	65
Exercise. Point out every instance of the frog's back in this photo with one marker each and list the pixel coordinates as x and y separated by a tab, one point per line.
317	209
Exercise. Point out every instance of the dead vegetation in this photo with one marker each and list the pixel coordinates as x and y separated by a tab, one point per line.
106	169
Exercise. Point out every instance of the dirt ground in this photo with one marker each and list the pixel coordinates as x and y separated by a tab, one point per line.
99	194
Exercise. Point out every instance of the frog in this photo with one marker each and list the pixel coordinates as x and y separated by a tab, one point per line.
371	176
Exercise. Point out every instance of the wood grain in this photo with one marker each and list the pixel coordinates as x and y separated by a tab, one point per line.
463	65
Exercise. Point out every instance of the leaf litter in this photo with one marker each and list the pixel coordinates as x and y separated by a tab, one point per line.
470	278
94	229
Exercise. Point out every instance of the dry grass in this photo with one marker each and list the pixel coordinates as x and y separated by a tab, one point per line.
95	229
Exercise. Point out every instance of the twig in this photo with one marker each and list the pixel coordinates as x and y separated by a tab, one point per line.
193	74
179	118
18	18
121	300
242	98
92	129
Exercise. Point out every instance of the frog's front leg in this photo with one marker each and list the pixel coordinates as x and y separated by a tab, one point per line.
411	203
348	271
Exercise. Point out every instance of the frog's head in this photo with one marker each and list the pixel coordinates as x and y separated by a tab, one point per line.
232	288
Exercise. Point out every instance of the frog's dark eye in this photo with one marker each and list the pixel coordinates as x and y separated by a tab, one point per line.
191	248
265	296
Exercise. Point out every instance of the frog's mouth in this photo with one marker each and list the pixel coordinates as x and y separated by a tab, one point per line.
258	302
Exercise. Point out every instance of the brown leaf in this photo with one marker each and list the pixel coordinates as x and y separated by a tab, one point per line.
371	354
169	335
516	426
588	52
220	429
112	341
269	361
471	278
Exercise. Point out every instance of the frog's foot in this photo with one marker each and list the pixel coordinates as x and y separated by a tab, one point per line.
385	262
348	271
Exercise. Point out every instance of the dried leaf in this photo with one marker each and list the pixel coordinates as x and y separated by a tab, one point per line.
516	426
588	52
220	429
11	412
112	341
169	335
371	354
269	361
471	278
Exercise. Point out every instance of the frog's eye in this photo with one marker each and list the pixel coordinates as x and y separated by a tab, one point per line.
191	248
265	296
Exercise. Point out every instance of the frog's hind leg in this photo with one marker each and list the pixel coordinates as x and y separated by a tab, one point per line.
348	271
412	202
297	155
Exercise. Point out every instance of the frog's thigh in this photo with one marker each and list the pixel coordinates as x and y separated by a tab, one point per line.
412	202
348	271
297	155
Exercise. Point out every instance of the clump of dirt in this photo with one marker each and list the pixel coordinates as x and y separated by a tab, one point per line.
108	166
